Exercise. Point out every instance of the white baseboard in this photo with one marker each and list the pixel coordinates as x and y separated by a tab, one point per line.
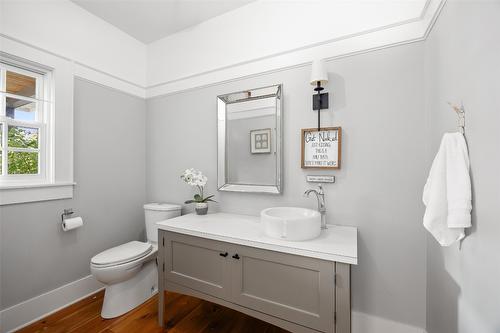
365	323
27	312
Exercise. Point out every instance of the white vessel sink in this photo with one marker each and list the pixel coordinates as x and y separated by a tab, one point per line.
291	223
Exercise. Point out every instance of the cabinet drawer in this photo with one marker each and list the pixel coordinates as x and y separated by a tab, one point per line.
197	263
290	287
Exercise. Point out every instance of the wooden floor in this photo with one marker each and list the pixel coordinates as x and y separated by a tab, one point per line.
184	314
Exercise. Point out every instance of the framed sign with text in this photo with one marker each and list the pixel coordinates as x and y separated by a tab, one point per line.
321	149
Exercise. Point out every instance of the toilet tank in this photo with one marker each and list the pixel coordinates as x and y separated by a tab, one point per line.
156	212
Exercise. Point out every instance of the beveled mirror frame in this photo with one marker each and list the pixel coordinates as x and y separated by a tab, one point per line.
274	91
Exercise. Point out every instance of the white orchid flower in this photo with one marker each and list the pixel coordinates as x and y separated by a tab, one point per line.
196	179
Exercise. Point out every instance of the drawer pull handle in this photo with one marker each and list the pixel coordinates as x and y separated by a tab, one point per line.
236	256
223	254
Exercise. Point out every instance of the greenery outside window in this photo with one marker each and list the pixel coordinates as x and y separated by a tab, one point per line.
25	113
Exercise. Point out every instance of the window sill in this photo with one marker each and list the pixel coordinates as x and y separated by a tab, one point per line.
15	194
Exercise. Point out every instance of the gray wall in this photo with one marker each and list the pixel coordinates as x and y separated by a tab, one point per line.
463	64
378	100
36	256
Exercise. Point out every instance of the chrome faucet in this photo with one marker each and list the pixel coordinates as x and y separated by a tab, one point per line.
320	195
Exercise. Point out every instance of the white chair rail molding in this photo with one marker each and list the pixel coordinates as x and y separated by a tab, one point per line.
322	166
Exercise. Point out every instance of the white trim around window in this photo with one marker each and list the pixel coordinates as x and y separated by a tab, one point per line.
54	123
38	121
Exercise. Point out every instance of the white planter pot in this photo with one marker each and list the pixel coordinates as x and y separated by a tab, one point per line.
201	208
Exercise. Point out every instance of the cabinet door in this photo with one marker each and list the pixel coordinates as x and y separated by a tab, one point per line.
197	263
294	288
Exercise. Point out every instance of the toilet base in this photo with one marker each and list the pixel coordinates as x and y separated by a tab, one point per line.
120	298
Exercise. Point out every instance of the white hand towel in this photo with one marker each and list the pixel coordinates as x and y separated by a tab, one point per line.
447	193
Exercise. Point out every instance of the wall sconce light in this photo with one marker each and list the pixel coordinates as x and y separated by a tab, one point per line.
319	77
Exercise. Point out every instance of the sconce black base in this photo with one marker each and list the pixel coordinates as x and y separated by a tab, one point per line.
320	102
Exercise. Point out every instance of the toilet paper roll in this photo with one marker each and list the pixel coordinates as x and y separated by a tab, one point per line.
72	223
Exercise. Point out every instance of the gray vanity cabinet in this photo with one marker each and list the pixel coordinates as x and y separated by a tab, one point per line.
286	286
295	292
198	263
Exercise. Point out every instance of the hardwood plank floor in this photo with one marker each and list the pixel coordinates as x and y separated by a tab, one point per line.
184	314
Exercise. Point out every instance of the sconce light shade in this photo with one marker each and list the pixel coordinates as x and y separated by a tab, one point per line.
318	72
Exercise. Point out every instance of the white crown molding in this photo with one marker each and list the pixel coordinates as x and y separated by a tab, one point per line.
102	78
408	31
431	19
12	46
67	30
95	49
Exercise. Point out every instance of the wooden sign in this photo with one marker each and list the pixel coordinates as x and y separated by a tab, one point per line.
321	149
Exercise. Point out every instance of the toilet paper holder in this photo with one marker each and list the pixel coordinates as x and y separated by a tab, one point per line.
67	212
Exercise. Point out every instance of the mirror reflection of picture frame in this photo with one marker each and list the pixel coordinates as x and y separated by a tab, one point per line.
260	141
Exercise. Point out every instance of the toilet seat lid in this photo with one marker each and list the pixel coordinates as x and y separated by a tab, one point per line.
123	253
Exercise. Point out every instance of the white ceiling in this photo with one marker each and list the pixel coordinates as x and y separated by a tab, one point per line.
150	20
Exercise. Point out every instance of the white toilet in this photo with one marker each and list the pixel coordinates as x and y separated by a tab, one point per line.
130	271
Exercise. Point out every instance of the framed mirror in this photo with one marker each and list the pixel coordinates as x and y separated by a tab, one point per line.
249	125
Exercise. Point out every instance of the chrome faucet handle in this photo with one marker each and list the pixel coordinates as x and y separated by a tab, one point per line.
319	191
309	191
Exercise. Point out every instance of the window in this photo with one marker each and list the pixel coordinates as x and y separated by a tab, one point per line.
25	115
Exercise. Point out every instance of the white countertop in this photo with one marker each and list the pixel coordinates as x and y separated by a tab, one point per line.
336	243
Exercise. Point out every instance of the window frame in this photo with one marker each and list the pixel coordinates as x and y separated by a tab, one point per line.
43	123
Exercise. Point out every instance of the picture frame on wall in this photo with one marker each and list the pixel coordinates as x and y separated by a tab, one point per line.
321	149
260	141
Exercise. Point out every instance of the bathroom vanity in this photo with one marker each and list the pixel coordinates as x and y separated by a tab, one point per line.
227	259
